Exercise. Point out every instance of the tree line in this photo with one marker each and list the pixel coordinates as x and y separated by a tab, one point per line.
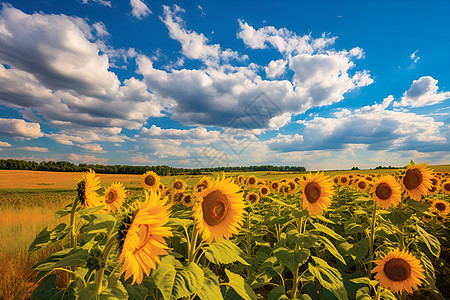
65	166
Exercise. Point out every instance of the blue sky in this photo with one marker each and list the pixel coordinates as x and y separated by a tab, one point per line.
320	84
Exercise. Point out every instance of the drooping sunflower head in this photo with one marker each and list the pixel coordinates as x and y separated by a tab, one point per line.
386	192
202	184
264	191
150	180
317	191
176	197
219	210
114	196
178	186
187	199
399	271
441	207
251	181
416	181
87	190
435	185
141	237
252	198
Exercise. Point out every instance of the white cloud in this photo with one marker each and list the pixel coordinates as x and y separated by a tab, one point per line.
85	159
100	28
198	133
19	129
34	149
5	144
77	136
96	148
276	68
415	58
423	92
102	2
139	9
193	44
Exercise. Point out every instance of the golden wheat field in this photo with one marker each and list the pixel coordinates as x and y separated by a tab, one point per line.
256	235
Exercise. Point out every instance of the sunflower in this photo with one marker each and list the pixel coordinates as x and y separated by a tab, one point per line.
87	190
264	191
203	184
176	197
416	181
446	187
386	191
252	198
187	199
336	179
362	185
141	238
240	178
219	210
441	207
317	192
252	181
274	186
178	186
114	196
399	271
435	183
150	180
343	180
291	185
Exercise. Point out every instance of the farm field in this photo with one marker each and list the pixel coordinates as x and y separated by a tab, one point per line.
29	199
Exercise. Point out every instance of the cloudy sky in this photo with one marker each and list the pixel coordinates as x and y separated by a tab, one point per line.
320	84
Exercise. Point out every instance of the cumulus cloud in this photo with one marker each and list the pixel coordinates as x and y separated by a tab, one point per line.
423	92
95	148
373	127
100	28
139	9
5	144
19	129
276	68
77	136
197	133
34	149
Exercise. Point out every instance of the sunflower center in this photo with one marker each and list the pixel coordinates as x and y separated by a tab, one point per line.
412	179
344	179
274	185
150	180
362	185
263	191
187	199
397	269
383	191
111	196
440	206
434	181
252	198
447	186
312	192
143	235
215	208
178	185
251	180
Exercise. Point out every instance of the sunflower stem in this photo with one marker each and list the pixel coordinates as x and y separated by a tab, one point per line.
103	259
372	237
401	229
378	293
73	231
191	247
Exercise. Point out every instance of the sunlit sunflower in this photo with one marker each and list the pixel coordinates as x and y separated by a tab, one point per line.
399	271
446	187
386	191
87	190
114	196
240	178
362	185
219	210
264	191
291	185
335	179
141	238
297	179
176	197
317	191
178	186
344	180
435	185
202	184
416	181
251	181
274	186
441	207
252	198
150	180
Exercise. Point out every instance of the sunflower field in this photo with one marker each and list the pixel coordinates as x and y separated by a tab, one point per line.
240	237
